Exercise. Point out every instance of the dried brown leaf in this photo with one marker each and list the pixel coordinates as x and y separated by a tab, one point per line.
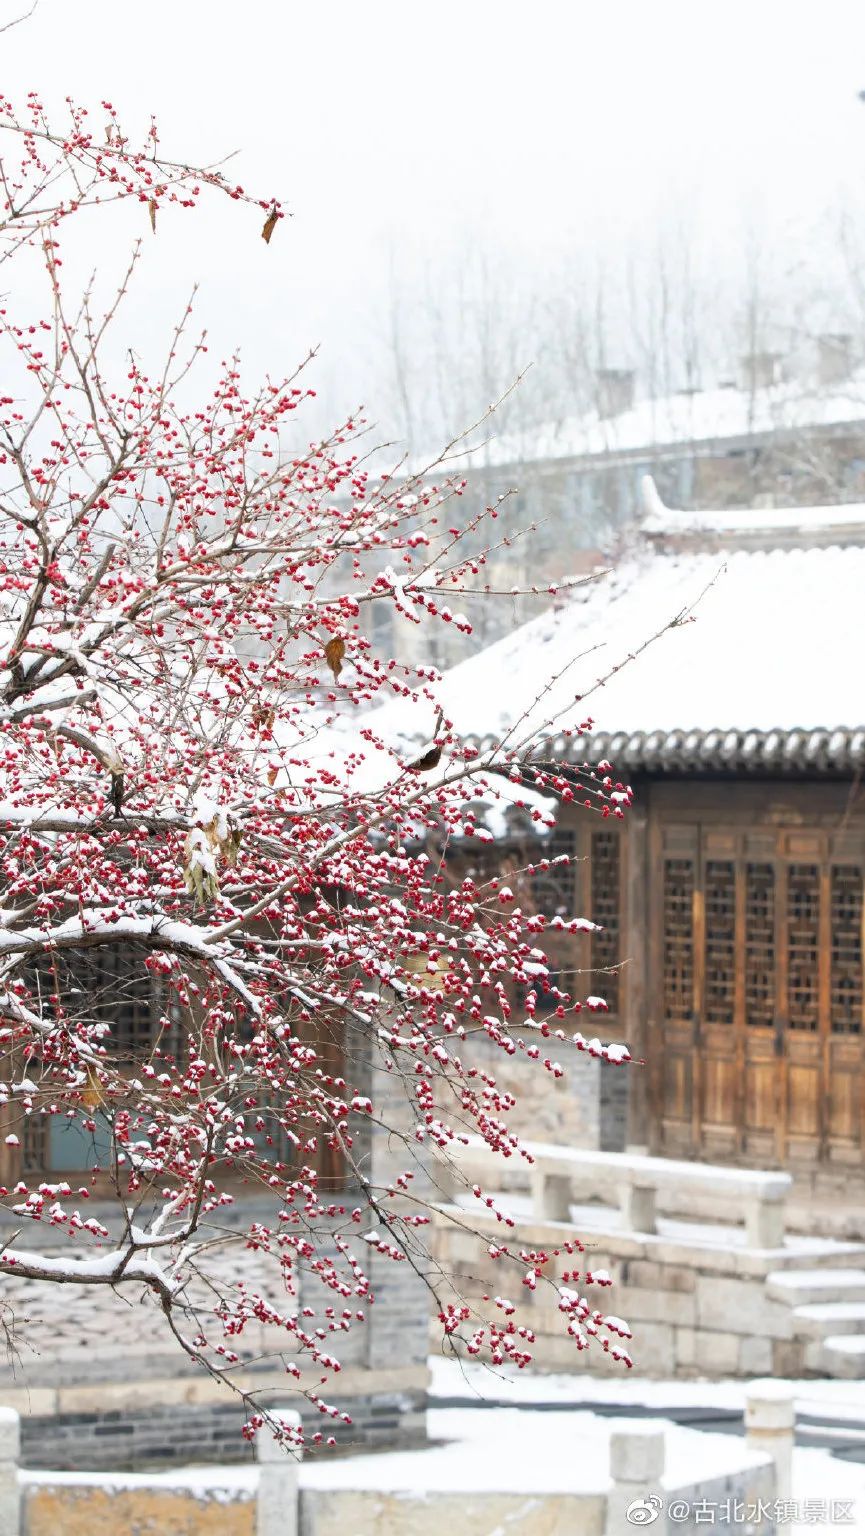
93	1094
270	224
263	718
334	652
151	208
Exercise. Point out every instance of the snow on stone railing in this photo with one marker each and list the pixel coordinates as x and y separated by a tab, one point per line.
558	1175
642	1492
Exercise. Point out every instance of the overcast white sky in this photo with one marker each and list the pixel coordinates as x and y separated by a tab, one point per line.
397	129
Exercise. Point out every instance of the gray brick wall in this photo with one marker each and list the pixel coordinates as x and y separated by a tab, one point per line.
131	1440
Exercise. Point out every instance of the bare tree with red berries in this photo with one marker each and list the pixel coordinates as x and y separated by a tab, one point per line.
231	953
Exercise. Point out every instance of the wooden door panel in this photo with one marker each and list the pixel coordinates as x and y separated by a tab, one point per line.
719	1089
801	845
673	872
677	1086
844	1099
676	1139
803	1099
760	935
719	1108
845	1109
761	1096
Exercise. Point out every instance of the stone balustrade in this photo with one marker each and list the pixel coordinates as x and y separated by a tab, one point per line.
559	1177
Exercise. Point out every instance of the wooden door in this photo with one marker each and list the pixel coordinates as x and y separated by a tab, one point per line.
755	1045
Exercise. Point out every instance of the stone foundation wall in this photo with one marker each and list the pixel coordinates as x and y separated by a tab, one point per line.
828	1201
361	1512
178	1436
694	1309
88	1511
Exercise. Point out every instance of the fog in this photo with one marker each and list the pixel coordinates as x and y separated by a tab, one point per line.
438	159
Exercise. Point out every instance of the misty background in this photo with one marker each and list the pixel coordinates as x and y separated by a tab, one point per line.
482	189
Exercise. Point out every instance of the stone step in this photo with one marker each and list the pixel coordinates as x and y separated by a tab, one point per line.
833	1255
818	1319
843	1355
812	1286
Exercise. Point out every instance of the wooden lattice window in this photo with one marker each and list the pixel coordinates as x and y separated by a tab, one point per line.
678	938
605	909
107	984
760	945
803	945
720	941
554	889
104	984
846	967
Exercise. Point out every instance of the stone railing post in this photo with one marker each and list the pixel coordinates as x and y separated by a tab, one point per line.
769	1425
764	1224
637	1455
638	1207
278	1480
551	1195
10	1491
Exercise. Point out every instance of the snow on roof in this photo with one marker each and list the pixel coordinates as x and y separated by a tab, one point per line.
749	640
751	527
702	416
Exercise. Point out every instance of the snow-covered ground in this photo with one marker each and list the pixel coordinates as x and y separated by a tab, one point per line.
818	1477
503	1450
473	1382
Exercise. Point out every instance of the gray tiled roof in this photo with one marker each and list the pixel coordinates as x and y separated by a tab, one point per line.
776	752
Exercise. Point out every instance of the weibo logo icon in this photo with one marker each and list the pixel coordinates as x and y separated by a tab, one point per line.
644	1511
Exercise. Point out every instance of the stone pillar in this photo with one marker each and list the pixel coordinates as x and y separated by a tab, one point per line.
551	1195
637	1455
769	1423
278	1492
10	1494
638	1208
764	1224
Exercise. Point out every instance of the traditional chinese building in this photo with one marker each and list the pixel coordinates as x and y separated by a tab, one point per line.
731	896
